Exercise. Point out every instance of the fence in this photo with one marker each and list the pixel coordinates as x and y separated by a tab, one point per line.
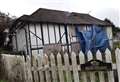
62	67
66	68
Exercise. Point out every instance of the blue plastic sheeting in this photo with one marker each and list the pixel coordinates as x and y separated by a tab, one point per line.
94	39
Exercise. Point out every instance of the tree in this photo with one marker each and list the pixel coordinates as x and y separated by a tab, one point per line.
5	24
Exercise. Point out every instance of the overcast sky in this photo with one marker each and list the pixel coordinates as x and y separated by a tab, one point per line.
99	8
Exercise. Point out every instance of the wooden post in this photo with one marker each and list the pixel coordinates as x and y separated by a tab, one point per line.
117	54
109	60
67	65
53	66
35	74
60	69
46	66
101	74
28	69
82	61
40	66
74	67
92	74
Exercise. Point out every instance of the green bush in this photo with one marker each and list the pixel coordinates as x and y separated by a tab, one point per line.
116	45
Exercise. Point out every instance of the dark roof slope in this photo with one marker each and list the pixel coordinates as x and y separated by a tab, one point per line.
63	17
78	18
46	15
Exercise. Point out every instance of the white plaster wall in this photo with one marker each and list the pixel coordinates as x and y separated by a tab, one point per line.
38	32
57	33
45	34
110	36
51	32
71	33
32	36
21	40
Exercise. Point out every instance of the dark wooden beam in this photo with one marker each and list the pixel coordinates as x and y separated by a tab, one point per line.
66	36
54	33
48	33
42	33
26	40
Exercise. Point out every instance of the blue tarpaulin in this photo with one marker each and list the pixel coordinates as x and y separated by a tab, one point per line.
93	39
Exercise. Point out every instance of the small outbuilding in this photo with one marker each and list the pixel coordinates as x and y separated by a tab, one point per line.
47	30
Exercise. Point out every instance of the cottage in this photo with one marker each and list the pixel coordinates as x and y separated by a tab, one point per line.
47	29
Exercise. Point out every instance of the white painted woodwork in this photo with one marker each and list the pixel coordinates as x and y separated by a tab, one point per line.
117	54
92	74
89	55
47	68
81	57
40	65
54	73
82	61
46	64
67	64
28	70
74	64
109	59
60	71
64	69
101	74
35	73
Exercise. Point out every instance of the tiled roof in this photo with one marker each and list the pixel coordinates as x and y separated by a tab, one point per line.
63	17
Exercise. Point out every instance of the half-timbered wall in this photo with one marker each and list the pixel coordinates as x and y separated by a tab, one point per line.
71	33
52	33
32	37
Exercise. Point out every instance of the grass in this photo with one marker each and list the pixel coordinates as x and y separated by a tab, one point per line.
3	81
